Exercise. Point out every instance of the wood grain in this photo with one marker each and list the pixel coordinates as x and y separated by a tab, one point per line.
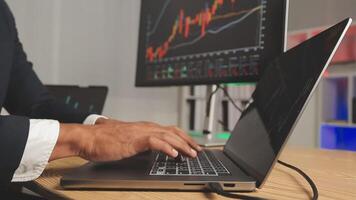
334	172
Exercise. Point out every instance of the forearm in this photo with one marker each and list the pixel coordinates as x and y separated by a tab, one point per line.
74	138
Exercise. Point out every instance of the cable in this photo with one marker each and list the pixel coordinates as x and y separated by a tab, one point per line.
216	187
299	171
219	87
305	176
224	126
230	98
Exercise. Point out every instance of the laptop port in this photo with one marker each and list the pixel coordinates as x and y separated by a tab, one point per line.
229	185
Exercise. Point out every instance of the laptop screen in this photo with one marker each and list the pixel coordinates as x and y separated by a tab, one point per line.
84	99
278	101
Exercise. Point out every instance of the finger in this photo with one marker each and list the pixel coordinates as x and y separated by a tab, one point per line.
186	137
178	143
156	144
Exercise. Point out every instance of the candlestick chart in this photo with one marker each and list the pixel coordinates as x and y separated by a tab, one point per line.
195	27
185	39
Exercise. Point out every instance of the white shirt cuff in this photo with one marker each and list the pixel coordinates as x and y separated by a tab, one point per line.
91	119
42	138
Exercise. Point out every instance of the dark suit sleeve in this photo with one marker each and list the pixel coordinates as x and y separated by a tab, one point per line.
13	138
27	96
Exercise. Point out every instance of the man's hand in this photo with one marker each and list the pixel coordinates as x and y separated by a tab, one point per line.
110	140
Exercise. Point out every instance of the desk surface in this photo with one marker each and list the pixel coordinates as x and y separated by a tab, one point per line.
334	172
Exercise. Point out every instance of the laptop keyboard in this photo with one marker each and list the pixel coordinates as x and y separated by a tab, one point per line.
205	164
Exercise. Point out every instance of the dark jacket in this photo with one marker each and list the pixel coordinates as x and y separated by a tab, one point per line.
24	97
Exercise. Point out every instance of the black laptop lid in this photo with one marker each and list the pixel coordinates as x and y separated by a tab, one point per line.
277	103
85	99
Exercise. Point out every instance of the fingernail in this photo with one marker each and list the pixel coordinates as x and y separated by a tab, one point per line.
199	148
194	153
175	153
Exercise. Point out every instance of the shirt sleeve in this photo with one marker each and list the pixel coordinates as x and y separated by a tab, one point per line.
91	119
42	138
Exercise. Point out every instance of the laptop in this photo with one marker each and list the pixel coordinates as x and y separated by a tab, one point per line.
256	141
84	99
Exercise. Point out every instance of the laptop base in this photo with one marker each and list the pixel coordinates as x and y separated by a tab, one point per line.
133	174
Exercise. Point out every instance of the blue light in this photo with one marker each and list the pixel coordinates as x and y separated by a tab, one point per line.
338	137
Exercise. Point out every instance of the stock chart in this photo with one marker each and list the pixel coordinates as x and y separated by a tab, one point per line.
201	39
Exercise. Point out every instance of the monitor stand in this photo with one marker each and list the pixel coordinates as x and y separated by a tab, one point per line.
209	138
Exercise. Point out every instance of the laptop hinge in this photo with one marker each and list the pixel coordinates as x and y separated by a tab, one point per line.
239	166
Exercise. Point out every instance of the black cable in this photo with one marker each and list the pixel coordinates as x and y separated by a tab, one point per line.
224	126
299	171
218	87
305	176
230	98
216	187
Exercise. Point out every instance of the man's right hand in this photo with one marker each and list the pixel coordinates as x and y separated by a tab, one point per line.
111	140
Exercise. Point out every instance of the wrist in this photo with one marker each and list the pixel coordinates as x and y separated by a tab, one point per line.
71	141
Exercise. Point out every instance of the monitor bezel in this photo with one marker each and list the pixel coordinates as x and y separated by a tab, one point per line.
139	82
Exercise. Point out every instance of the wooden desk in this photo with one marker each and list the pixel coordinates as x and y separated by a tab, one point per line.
334	172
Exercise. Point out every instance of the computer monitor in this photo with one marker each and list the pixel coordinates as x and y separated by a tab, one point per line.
194	42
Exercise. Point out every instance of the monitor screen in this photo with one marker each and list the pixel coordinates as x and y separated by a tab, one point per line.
185	42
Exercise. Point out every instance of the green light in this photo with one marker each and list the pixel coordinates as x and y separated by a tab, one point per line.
223	136
239	84
195	133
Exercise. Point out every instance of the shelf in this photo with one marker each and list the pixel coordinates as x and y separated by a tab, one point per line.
337	106
336	97
337	124
338	136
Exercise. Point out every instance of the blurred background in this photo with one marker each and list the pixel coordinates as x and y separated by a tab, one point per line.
91	42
